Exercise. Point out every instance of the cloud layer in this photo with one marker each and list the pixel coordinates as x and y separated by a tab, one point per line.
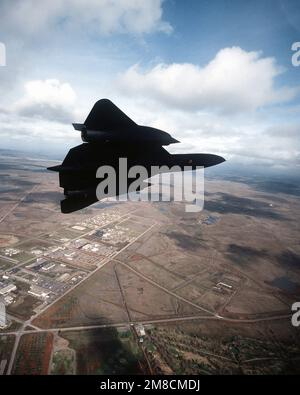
49	99
220	108
234	81
101	16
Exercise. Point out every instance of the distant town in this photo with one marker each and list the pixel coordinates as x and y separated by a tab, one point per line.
51	267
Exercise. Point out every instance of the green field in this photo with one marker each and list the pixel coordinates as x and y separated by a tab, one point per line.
105	351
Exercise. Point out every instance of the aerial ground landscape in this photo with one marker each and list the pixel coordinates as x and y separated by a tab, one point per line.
146	288
95	96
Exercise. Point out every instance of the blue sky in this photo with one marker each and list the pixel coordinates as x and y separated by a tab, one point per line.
216	74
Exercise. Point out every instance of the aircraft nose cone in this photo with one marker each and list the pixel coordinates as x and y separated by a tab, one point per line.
212	160
220	159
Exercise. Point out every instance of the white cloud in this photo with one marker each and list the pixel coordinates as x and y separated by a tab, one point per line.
257	138
101	16
234	81
36	134
199	118
285	131
49	99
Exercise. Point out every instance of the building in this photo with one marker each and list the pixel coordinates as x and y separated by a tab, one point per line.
39	292
221	284
48	266
78	227
3	320
64	277
140	330
11	251
8	299
6	288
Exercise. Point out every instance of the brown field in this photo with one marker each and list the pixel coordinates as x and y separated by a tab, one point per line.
8	240
247	237
6	346
33	354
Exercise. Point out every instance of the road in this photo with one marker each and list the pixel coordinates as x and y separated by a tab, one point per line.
166	290
105	261
122	294
151	322
13	354
210	315
19	333
17	204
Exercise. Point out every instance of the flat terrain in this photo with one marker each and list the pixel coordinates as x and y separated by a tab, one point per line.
222	348
6	347
106	351
33	354
146	287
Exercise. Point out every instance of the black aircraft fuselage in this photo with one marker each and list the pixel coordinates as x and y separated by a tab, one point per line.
109	135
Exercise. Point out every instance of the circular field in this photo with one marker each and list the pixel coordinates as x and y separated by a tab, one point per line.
7	240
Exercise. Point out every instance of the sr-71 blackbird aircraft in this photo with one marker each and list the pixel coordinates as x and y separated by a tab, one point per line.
109	134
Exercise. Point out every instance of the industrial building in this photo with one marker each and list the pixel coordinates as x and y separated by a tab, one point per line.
39	292
6	288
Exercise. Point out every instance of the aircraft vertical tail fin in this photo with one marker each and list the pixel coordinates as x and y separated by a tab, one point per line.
106	116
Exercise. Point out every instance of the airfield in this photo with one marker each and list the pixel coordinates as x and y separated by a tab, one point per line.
136	287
